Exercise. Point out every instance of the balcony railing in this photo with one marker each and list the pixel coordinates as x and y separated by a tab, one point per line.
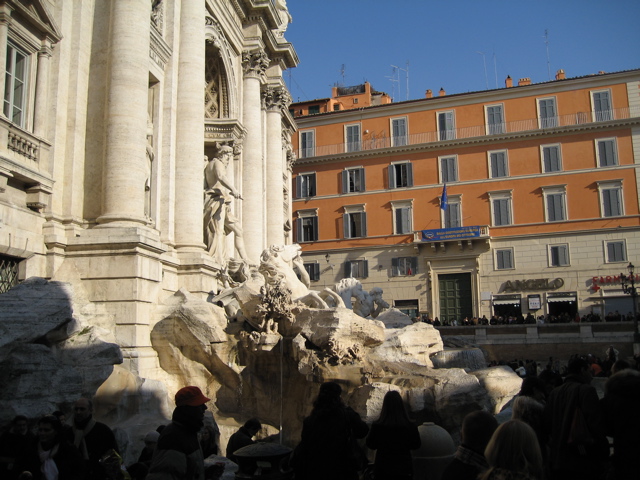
548	123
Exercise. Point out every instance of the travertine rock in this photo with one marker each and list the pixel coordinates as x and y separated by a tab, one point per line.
408	348
46	346
501	383
394	318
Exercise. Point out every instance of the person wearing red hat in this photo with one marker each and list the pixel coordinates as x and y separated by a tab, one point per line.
178	455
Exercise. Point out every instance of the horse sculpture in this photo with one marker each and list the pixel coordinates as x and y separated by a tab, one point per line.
276	264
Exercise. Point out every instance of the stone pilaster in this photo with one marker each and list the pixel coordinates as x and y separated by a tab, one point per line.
42	84
5	20
124	167
253	186
276	99
189	233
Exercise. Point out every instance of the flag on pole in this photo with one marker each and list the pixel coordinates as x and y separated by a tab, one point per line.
443	198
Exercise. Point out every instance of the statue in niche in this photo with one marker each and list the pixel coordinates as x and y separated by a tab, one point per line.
149	170
219	220
157	14
285	17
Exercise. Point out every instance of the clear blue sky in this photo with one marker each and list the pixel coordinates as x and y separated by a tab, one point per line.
352	41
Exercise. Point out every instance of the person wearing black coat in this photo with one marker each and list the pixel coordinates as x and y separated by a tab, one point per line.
393	436
51	456
328	446
622	421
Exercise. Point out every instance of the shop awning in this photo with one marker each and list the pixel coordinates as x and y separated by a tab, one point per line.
566	297
506	300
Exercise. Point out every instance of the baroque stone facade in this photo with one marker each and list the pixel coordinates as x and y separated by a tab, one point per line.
102	142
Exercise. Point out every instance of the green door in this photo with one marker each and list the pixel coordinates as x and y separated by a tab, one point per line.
455	297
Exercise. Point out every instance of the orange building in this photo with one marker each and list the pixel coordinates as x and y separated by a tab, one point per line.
518	200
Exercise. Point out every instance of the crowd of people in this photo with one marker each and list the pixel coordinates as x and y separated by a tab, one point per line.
529	319
559	429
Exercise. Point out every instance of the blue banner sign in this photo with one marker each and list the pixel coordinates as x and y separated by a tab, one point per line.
443	234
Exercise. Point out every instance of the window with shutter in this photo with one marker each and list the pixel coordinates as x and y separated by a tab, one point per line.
559	255
495	120
616	252
607	152
399	132
449	169
498	161
602	111
400	175
504	259
548	115
551	158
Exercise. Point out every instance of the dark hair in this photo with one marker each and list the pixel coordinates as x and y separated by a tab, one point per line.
19	418
530	385
252	424
514	446
620	365
576	365
328	396
477	429
393	411
54	422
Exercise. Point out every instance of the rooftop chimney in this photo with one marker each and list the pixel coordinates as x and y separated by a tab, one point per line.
442	93
560	75
508	82
428	93
524	81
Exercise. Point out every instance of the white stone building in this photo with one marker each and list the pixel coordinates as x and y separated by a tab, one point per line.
109	109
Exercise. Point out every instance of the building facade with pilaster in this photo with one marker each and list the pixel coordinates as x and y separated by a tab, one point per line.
502	202
103	134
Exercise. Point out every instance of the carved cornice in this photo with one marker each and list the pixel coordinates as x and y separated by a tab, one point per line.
224	130
159	51
255	63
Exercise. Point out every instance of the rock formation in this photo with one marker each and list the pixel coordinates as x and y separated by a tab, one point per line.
267	364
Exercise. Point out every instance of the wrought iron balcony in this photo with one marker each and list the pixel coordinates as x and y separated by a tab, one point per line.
544	124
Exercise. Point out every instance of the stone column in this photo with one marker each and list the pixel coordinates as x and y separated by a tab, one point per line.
42	86
253	188
189	180
276	98
124	166
5	21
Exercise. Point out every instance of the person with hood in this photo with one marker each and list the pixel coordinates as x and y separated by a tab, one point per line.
622	421
328	447
178	455
572	417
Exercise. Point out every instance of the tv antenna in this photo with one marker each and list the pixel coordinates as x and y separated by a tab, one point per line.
406	73
484	61
393	81
546	42
342	73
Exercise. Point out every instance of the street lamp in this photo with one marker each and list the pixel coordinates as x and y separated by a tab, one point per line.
629	287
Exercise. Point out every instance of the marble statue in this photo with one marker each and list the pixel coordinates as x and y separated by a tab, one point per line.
219	220
366	304
369	304
276	264
285	17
